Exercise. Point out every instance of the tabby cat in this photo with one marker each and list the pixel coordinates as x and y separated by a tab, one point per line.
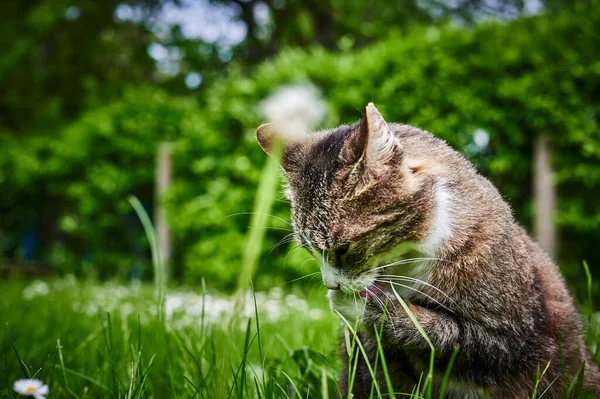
388	210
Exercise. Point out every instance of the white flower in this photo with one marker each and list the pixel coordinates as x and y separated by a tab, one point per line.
37	288
35	388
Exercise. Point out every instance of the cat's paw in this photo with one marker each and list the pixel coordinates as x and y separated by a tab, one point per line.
350	306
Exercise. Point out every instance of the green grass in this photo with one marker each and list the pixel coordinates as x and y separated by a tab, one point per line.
91	340
87	341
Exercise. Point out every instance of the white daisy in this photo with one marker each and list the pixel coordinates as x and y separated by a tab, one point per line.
27	387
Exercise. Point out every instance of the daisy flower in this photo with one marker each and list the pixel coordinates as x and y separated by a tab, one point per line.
35	388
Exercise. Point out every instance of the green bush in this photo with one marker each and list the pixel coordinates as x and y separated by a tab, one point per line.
513	81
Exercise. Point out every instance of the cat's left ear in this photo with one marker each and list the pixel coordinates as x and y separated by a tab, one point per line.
265	135
270	135
374	144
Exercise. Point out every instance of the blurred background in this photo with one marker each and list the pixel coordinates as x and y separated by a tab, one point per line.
160	99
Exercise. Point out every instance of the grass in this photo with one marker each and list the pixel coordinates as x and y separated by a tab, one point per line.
87	340
91	340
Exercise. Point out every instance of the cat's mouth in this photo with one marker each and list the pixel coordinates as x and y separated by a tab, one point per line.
374	290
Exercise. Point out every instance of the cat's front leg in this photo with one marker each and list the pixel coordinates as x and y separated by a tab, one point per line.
441	328
350	306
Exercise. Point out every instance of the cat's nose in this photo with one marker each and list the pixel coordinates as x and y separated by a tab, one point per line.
331	276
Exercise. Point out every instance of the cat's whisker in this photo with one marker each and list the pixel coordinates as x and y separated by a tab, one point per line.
303	277
285	240
283	199
259	213
399	262
365	287
309	260
294	249
374	296
383	305
404	261
416	280
270	228
418	291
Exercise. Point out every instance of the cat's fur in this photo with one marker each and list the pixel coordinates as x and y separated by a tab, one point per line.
374	194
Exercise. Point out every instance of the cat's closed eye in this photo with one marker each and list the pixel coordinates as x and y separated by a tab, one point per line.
342	249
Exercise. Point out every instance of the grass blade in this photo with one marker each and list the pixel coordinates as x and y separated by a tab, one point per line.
429	379
265	198
62	366
24	367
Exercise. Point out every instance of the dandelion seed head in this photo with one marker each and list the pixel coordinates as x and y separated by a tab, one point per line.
294	110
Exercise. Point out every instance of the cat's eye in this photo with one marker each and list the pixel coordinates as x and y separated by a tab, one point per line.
343	249
339	253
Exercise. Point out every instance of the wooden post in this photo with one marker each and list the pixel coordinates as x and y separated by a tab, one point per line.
163	177
544	195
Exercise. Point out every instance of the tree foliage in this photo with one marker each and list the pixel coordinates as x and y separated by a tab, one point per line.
505	81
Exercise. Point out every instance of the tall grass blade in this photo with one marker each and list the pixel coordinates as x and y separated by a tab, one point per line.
62	365
429	378
386	374
159	278
242	385
24	368
263	203
362	351
576	385
593	332
193	386
446	378
82	376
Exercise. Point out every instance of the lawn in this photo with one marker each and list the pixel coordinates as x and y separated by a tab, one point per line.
90	340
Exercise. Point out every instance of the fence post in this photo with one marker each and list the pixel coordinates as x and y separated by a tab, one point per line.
163	177
544	195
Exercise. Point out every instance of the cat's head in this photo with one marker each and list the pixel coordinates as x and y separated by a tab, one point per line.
355	196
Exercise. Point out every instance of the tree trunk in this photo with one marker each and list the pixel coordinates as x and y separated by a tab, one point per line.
163	178
544	195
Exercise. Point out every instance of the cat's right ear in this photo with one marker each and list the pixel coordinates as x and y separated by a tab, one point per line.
373	143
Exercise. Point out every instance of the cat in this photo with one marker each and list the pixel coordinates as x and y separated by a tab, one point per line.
388	209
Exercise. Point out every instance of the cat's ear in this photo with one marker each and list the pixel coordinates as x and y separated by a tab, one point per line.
373	144
270	136
266	136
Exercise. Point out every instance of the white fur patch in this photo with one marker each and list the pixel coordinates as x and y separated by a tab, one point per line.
440	225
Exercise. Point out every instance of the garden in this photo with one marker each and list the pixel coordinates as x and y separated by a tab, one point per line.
146	249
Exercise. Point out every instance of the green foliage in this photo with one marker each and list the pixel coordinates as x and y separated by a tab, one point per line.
83	173
62	56
106	340
89	340
513	81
